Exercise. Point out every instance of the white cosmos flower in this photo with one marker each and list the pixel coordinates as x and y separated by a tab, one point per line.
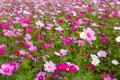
115	62
59	28
39	23
82	35
26	12
118	39
94	56
117	28
95	61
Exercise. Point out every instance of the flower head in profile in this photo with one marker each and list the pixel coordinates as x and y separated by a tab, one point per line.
62	52
49	66
102	53
40	76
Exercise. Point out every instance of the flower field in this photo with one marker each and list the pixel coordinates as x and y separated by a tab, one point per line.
59	40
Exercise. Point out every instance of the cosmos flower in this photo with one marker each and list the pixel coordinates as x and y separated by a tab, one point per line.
90	34
33	49
102	53
68	40
81	42
115	62
67	67
40	76
117	39
27	37
39	24
5	26
95	60
49	66
62	52
82	35
8	68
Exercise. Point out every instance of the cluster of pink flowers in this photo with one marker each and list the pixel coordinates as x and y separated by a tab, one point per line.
8	68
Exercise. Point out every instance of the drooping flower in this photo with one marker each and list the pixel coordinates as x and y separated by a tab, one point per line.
62	52
49	66
102	53
40	76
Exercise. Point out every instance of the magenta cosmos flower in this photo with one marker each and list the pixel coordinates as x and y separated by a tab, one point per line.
2	49
90	34
40	76
5	26
67	67
62	52
49	66
7	69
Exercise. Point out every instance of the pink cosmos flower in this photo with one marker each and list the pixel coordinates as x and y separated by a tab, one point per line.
102	53
10	33
28	44
33	49
6	69
104	40
118	13
27	37
48	45
62	52
49	66
90	34
40	76
81	42
107	78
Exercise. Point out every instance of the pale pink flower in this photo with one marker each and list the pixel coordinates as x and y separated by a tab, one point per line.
10	33
90	34
33	49
81	42
102	53
49	66
27	37
62	52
